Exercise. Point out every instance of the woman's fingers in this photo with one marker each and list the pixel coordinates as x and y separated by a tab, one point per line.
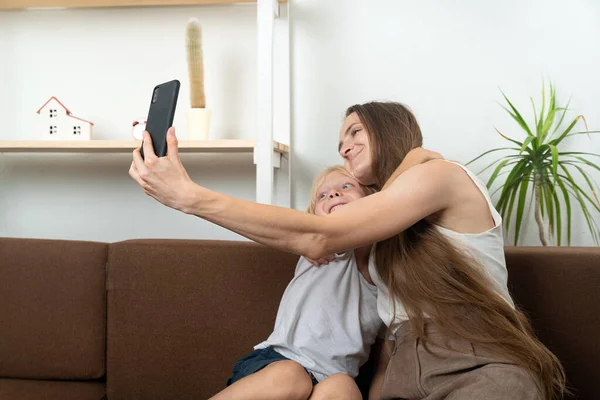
135	175
149	154
172	144
317	263
313	262
163	178
139	167
321	261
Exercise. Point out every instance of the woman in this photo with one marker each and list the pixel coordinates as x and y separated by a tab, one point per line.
438	260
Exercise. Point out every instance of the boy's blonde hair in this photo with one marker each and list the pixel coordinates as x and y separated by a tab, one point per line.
367	190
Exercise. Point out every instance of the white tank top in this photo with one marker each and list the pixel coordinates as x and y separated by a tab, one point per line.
327	319
486	247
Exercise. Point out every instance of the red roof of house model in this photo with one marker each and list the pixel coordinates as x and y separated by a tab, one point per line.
49	100
66	109
81	119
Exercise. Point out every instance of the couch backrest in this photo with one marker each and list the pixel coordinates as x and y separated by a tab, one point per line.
559	288
52	309
180	313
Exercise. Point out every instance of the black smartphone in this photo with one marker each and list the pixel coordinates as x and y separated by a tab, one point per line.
161	114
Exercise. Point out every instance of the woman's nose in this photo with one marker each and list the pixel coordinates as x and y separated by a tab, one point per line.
345	150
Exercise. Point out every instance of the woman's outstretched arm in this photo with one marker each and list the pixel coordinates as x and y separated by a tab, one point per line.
419	192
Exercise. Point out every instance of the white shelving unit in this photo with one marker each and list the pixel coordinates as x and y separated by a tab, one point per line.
269	156
20	4
127	146
266	160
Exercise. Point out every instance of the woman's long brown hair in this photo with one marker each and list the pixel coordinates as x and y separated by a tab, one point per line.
433	279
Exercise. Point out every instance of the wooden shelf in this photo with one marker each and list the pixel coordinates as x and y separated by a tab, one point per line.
126	146
268	164
15	4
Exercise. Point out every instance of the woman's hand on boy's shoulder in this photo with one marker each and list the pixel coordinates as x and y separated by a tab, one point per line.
321	261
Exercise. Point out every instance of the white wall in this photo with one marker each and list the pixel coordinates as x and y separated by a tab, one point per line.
446	61
103	64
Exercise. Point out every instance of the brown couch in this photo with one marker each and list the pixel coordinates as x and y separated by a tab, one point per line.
166	319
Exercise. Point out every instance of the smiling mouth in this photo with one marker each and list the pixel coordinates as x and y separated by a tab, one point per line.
335	207
353	158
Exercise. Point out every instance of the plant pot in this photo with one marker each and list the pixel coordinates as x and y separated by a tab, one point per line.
198	123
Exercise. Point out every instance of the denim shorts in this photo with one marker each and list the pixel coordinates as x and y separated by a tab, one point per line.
256	361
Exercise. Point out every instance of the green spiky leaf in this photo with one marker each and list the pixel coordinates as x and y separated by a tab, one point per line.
538	158
517	116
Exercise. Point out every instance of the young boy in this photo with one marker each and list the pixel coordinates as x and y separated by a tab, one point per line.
326	323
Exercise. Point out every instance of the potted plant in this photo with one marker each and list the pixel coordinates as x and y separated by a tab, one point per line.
537	166
198	116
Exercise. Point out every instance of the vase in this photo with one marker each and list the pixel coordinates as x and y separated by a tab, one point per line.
198	123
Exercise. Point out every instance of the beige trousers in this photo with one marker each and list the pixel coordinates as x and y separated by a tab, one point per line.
453	370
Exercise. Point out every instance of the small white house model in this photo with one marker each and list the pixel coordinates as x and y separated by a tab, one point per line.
57	123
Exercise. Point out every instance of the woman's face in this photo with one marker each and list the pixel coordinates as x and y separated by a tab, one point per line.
355	148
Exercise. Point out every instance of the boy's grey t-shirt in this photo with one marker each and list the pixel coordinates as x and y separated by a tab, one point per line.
327	319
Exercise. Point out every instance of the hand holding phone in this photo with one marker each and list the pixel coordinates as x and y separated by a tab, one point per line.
161	115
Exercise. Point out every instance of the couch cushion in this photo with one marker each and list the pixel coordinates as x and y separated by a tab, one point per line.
52	309
182	312
22	389
559	288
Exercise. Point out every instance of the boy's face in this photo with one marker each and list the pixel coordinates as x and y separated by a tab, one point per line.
336	190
